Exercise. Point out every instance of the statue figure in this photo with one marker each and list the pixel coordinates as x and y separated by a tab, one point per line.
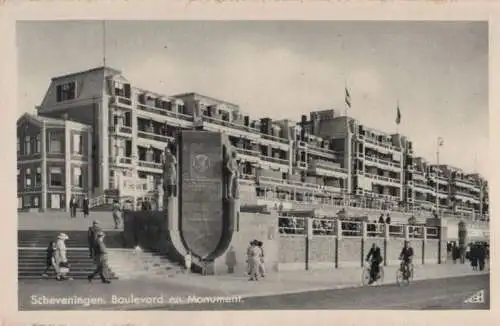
169	173
232	168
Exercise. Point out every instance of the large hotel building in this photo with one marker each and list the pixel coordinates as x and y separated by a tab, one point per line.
97	135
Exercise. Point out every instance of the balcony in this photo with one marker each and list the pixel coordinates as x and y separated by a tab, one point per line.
122	161
465	195
377	144
173	117
150	166
248	155
385	180
470	184
215	124
423	186
121	101
320	167
154	136
274	160
316	150
123	131
275	139
383	163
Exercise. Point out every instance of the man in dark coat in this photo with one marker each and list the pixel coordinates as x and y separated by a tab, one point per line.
100	259
85	207
92	237
376	259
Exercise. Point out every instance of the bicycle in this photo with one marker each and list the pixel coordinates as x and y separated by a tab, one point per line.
365	276
405	273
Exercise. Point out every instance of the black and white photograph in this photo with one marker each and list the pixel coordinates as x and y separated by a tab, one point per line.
198	165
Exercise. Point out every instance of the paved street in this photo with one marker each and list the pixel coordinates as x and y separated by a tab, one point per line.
430	294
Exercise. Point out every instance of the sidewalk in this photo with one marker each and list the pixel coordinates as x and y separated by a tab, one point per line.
175	289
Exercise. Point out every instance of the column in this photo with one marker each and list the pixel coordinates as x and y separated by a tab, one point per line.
90	170
133	118
105	141
43	150
67	165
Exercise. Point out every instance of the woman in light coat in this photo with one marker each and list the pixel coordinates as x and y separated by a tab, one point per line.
254	262
60	255
262	268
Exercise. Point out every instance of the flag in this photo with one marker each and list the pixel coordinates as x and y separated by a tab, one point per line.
440	141
398	116
347	98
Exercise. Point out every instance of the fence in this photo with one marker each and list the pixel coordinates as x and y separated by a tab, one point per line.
294	225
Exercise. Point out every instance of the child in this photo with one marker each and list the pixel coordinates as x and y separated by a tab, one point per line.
187	263
50	258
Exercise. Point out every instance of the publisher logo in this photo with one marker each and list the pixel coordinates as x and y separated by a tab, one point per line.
476	298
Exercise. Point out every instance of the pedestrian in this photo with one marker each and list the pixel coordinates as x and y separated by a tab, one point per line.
254	262
249	254
72	206
61	260
187	262
85	207
473	256
50	258
116	213
388	219
92	237
262	267
381	219
481	257
100	260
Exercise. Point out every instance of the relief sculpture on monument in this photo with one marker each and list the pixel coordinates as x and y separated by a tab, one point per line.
169	173
232	172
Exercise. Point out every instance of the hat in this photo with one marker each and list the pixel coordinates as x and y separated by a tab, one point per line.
63	236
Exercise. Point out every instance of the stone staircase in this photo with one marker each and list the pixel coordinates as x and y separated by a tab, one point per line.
124	263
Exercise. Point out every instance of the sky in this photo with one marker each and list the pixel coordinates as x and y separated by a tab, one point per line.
436	71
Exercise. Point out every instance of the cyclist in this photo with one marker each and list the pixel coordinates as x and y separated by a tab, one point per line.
376	259
406	257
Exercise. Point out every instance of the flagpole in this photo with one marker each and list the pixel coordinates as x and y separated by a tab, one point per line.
104	43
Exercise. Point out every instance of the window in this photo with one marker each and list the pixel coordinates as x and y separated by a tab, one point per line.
38	144
38	176
77	144
19	202
36	201
55	145
27	178
27	201
18	145
66	92
77	177
56	177
18	176
27	145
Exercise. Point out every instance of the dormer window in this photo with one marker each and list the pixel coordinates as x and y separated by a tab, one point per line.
66	92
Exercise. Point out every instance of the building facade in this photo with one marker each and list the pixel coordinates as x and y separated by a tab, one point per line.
53	162
322	158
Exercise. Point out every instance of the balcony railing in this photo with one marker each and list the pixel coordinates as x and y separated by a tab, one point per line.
382	178
248	152
154	136
423	186
274	138
378	143
382	161
164	112
314	148
121	100
274	160
320	164
229	124
123	160
151	165
117	129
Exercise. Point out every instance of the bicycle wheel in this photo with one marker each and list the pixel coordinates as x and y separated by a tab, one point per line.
365	276
380	278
